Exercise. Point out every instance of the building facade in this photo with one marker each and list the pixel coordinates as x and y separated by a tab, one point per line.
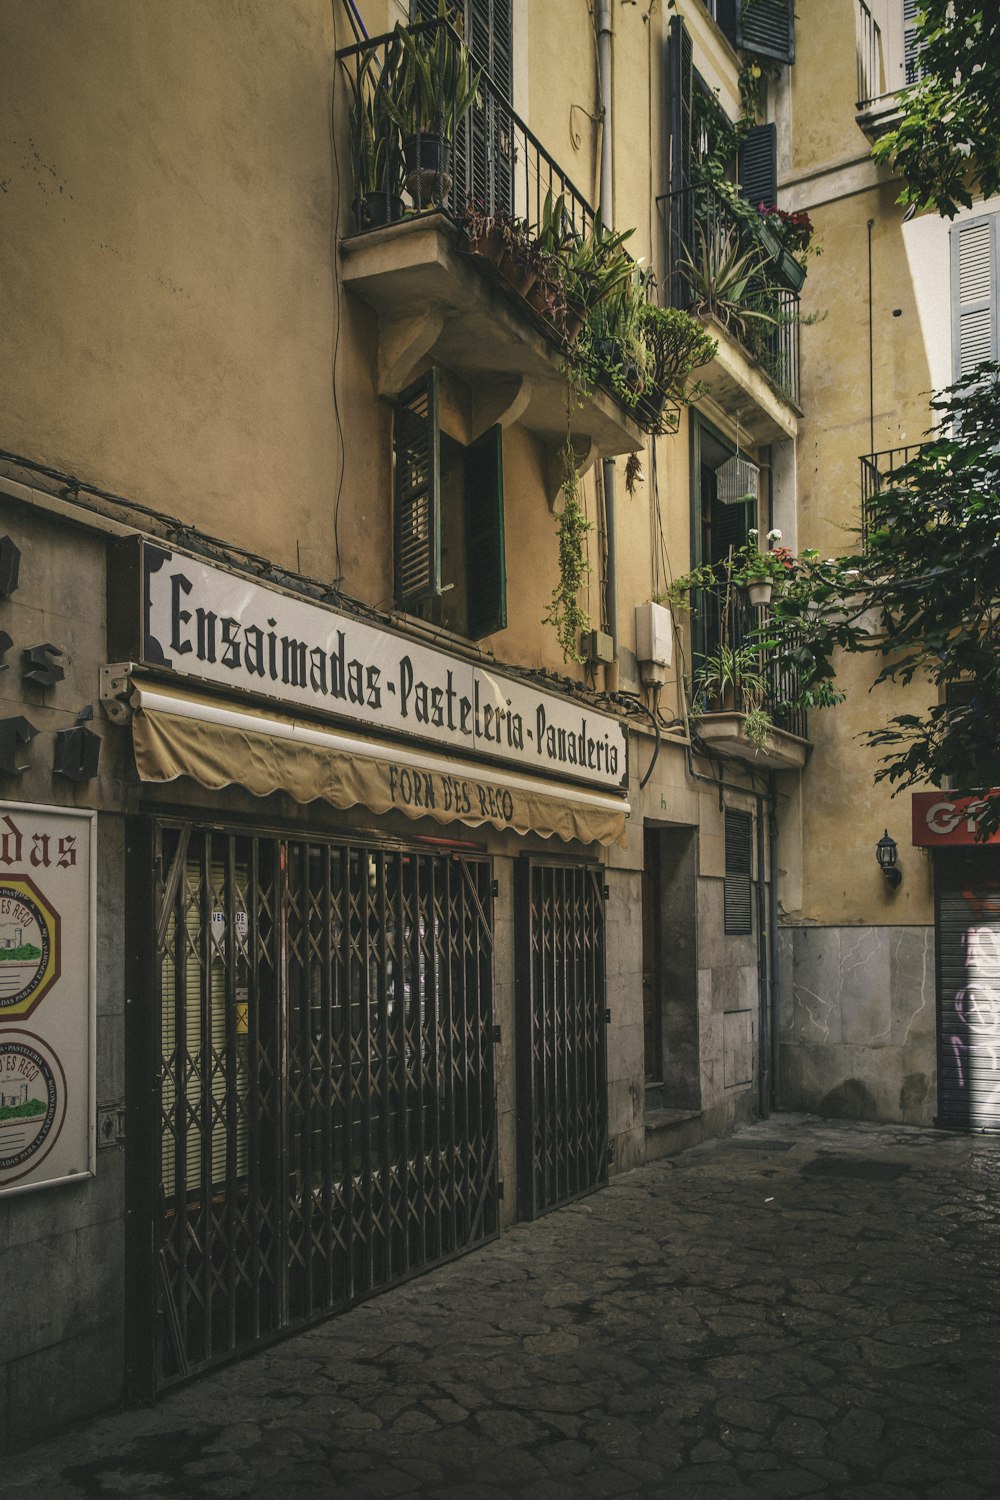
374	922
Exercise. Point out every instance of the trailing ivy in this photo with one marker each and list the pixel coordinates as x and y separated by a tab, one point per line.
565	612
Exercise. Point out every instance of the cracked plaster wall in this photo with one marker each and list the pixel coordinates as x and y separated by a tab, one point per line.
856	1022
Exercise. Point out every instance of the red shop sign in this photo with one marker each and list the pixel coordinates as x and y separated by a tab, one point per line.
941	819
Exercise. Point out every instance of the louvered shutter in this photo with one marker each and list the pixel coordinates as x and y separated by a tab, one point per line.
767	29
758	166
417	493
681	226
737	891
911	42
974	294
492	137
485	557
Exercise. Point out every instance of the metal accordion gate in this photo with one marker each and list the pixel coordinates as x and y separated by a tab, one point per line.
325	1082
562	1019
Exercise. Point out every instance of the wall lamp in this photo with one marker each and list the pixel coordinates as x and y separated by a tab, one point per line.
885	853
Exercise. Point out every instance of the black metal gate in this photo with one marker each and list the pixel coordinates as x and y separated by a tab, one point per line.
562	1056
967	886
325	1089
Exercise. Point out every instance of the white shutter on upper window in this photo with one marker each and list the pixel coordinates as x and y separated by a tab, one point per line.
974	294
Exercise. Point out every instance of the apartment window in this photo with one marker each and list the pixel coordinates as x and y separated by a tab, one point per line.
737	894
974	280
449	560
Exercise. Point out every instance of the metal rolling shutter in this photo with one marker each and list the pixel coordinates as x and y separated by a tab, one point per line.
968	984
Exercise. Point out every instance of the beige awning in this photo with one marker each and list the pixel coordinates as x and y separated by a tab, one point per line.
183	734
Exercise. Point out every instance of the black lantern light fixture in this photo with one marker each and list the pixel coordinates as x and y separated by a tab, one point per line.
885	853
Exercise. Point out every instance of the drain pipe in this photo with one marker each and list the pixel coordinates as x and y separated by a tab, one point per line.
603	18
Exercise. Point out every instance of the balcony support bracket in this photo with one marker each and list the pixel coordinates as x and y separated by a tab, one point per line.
586	452
404	340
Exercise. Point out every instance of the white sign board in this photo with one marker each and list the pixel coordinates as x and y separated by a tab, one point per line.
47	988
217	627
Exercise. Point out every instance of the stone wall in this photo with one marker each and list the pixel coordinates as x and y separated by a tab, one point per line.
857	1022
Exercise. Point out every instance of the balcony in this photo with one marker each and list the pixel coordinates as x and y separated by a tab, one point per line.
446	293
879	471
740	280
737	678
888	60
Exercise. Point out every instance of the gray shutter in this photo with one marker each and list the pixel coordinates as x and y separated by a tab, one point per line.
767	29
974	299
417	493
485	556
739	849
911	42
758	166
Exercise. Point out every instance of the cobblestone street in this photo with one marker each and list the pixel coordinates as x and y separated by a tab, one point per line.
806	1308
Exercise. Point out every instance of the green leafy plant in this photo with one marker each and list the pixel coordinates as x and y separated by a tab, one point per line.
675	345
434	85
565	612
733	676
724	278
374	130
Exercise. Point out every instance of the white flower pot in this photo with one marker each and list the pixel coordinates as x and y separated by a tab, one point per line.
759	591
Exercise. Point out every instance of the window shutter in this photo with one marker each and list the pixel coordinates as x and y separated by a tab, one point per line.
974	299
911	42
485	557
767	28
681	90
489	31
417	493
758	166
737	893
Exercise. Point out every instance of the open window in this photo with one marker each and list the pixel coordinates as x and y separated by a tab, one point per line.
449	562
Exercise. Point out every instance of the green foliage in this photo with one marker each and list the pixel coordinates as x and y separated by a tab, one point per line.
434	85
27	953
565	612
22	1111
923	597
675	346
947	143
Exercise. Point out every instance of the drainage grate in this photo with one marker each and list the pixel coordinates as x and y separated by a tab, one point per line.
857	1168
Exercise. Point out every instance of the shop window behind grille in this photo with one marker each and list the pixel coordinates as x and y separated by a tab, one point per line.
739	848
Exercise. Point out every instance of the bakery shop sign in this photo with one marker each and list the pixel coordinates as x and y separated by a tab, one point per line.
46	995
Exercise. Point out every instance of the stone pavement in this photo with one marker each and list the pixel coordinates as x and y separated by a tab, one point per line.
807	1308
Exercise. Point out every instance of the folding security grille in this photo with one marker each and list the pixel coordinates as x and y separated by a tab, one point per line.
562	1059
326	1088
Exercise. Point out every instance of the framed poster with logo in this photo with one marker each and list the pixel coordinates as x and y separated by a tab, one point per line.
47	995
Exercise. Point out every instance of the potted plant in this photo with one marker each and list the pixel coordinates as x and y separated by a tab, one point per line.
675	344
723	277
433	88
504	239
375	138
759	572
732	677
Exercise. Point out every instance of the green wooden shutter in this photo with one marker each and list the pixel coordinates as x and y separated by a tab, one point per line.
417	493
738	905
485	557
767	29
681	91
758	166
974	293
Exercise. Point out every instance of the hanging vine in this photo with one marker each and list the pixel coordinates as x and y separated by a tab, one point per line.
565	612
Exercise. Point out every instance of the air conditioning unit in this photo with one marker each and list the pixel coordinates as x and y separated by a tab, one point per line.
654	642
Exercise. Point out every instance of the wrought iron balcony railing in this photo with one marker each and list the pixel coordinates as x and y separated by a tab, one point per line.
879	471
416	154
731	651
491	158
720	262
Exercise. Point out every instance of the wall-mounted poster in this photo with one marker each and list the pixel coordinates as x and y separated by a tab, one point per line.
47	990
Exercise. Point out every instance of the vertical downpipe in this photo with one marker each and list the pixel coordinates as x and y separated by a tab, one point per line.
763	969
607	217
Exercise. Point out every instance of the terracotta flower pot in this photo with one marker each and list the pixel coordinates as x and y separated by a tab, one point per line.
521	277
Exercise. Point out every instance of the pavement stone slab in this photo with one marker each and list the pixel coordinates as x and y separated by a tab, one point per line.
811	1308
